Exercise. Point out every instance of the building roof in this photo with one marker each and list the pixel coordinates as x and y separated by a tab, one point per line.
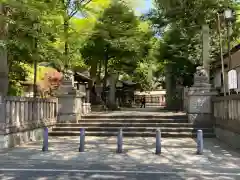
128	82
233	50
82	77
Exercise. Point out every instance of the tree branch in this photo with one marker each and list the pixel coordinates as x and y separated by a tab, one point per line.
76	9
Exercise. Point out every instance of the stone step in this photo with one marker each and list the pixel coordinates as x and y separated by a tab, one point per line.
132	116
131	129
131	121
132	134
118	124
97	108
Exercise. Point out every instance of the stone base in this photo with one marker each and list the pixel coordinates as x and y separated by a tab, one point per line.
201	120
16	139
74	117
200	105
230	138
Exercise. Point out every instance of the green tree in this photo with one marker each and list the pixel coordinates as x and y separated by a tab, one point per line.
112	40
179	23
32	26
36	33
47	31
119	41
69	10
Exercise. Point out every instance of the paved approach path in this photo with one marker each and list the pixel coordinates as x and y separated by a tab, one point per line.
99	161
152	111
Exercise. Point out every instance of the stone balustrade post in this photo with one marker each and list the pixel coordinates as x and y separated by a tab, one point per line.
23	119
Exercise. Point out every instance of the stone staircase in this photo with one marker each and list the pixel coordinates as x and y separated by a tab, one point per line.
132	126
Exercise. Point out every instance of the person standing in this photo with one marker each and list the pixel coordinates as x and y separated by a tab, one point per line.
143	102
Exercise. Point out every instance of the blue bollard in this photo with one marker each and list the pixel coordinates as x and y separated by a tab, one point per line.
120	141
158	142
199	142
82	140
45	139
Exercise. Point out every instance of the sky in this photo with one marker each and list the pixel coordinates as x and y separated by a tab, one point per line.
148	4
141	6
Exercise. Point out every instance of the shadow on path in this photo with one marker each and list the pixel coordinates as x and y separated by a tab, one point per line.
178	160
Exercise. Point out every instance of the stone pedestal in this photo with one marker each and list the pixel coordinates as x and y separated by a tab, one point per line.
199	99
71	103
69	108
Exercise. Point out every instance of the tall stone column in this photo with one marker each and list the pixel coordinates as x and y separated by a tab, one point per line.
201	93
206	51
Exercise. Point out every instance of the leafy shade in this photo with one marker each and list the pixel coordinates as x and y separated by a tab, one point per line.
119	39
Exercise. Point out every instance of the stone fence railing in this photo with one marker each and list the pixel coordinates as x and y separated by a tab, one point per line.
227	119
24	113
23	118
151	100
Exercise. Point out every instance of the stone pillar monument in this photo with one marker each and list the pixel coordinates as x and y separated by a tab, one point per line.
200	94
205	51
70	101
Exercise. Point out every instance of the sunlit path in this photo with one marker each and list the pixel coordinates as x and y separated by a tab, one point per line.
100	161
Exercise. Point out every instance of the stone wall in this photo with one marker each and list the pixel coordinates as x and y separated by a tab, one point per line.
23	119
227	119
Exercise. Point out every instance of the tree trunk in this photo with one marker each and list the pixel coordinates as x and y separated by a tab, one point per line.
3	52
170	87
93	75
105	70
112	91
99	72
104	93
93	71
